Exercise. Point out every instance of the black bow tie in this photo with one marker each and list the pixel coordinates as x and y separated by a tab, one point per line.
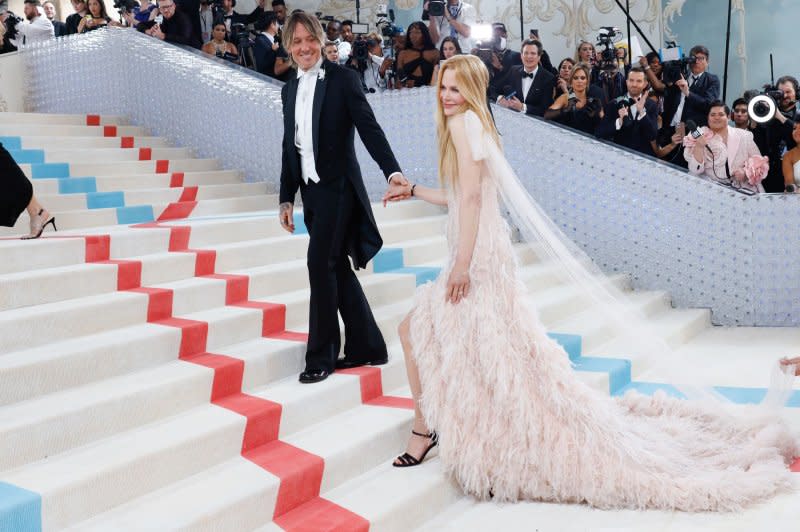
526	75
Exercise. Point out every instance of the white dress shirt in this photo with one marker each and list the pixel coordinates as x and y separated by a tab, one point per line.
39	29
633	112
303	121
679	113
527	83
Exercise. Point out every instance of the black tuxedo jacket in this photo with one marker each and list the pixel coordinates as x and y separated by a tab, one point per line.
178	30
340	108
540	96
634	134
265	57
704	91
499	79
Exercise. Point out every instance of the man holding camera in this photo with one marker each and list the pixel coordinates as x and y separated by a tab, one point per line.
530	88
775	137
500	60
452	18
36	28
631	120
688	99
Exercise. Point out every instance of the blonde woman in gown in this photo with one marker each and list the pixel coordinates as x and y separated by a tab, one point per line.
511	419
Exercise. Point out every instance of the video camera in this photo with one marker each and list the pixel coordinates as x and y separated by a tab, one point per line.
435	9
674	63
607	54
11	25
763	107
125	6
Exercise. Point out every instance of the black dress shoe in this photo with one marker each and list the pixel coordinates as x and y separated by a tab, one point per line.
343	363
317	375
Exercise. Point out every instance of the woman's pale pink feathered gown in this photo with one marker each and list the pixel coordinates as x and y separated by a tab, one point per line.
514	419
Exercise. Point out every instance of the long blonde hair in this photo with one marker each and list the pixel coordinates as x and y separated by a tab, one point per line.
472	79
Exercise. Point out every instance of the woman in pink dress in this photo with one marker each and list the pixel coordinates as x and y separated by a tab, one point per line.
500	398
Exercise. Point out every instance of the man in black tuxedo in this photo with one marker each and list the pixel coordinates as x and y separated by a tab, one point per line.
532	85
176	27
271	58
688	99
633	126
322	106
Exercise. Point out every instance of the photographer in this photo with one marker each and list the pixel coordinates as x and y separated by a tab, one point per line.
688	99
632	120
416	62
271	59
500	60
231	17
456	20
36	27
775	137
175	28
580	106
367	59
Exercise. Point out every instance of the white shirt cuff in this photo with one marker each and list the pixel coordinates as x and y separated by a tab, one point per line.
619	124
392	175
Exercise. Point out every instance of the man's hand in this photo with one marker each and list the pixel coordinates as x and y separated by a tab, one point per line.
643	61
397	192
512	103
562	85
398	179
286	216
157	33
640	103
623	112
683	85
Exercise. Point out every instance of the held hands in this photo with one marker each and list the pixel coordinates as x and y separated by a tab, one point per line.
286	216
458	285
399	189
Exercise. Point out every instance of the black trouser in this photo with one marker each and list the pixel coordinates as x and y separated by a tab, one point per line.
328	209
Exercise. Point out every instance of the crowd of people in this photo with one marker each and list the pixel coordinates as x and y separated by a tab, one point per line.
672	115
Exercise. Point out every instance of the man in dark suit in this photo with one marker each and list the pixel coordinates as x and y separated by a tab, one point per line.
633	126
271	58
322	106
532	85
176	27
500	61
688	99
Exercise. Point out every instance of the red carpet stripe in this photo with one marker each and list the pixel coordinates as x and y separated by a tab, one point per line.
176	179
372	388
321	515
126	142
109	131
162	166
145	154
92	120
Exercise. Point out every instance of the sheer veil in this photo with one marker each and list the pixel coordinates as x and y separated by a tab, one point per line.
576	268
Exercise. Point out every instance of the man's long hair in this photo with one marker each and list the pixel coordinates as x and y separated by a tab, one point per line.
309	22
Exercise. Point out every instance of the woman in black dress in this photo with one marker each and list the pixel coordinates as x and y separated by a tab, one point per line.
580	108
416	62
16	195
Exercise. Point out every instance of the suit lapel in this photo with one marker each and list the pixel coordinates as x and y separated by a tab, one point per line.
316	113
518	85
291	102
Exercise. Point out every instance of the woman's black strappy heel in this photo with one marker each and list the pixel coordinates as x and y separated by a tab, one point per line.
406	460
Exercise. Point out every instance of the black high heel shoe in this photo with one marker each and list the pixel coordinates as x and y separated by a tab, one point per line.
37	227
406	460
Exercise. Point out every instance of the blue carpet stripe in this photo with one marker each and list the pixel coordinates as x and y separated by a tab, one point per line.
423	274
20	509
136	214
105	200
11	143
27	156
75	185
388	259
49	170
572	344
299	224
